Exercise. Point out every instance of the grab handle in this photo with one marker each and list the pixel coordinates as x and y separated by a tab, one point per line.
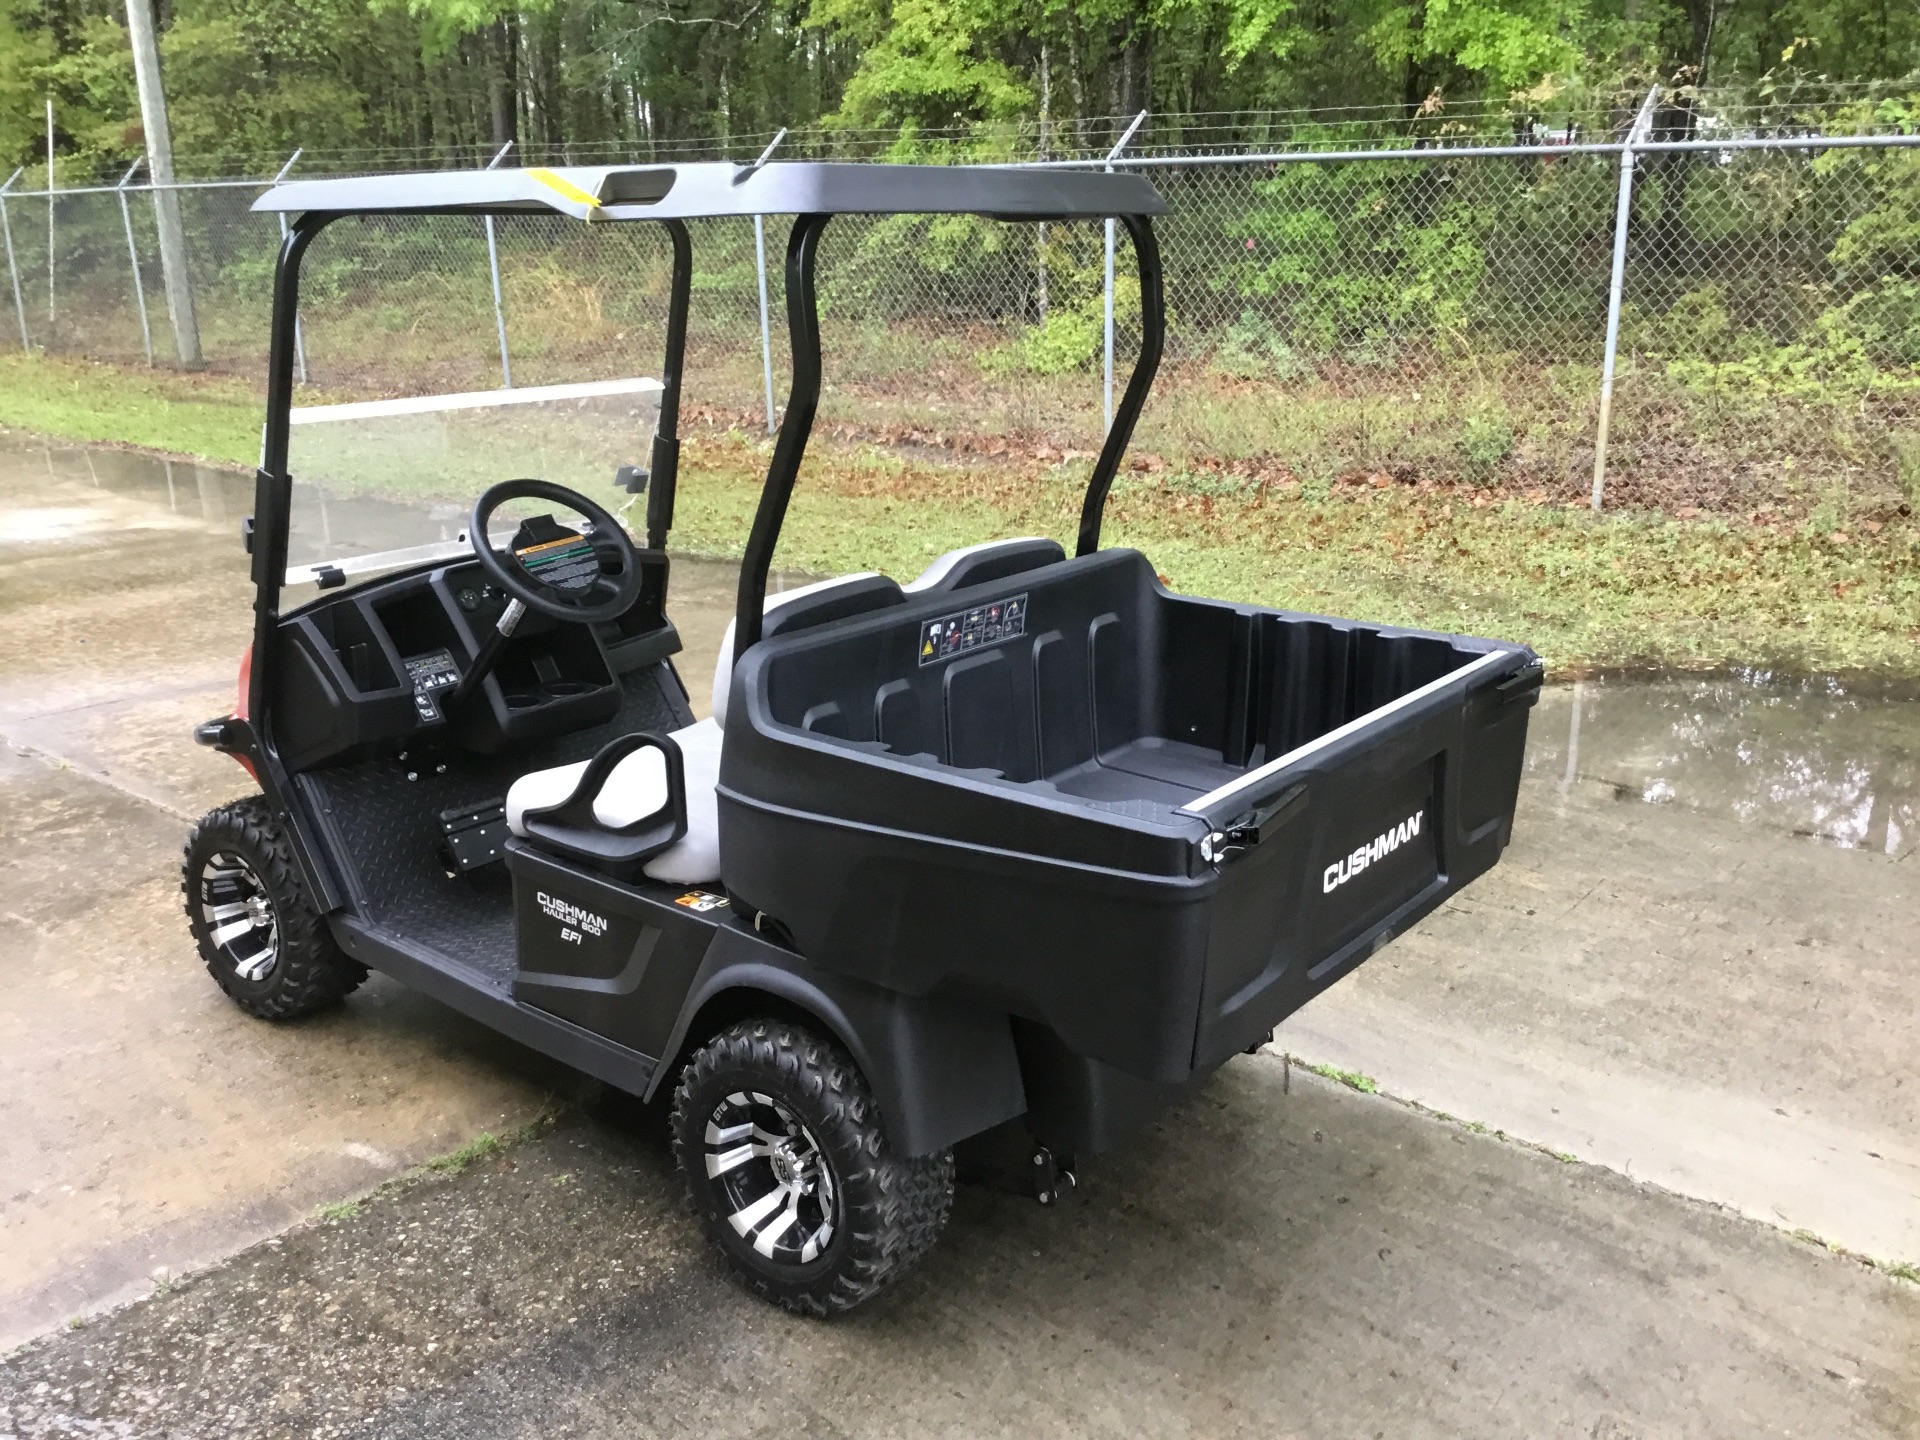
571	828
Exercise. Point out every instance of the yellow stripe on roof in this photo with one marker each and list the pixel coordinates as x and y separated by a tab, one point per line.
565	188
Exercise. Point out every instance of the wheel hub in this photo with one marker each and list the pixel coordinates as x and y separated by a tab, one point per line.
238	915
775	1186
788	1168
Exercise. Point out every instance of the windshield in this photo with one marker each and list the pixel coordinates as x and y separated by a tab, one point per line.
436	356
384	483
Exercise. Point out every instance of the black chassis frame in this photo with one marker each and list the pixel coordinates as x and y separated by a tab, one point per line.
940	1071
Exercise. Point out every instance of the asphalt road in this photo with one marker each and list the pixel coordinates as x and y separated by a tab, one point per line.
1666	975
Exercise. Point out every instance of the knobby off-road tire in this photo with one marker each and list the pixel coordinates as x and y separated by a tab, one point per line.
791	1175
261	938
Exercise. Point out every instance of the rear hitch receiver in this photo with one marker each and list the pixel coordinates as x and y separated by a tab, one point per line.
1053	1176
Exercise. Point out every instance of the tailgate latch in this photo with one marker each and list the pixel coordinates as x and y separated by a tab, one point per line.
1258	824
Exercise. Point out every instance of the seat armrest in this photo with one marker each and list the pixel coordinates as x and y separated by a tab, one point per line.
571	829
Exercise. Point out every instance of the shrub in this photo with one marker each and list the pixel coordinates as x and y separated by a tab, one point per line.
1252	348
1485	440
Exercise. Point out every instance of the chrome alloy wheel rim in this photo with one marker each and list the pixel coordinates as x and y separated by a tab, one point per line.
239	917
775	1185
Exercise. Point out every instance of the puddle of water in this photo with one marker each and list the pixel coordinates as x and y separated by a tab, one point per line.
326	525
47	522
1811	755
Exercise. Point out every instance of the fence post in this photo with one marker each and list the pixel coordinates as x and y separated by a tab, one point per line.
766	328
299	333
760	268
493	268
1112	155
50	208
133	262
166	199
13	270
1616	285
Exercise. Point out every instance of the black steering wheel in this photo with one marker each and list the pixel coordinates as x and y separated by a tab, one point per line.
586	577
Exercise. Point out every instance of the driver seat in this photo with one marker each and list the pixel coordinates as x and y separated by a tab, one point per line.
638	786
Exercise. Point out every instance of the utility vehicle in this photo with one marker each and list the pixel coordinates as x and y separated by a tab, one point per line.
1025	839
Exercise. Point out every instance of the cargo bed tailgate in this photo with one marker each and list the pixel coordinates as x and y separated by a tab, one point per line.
1329	851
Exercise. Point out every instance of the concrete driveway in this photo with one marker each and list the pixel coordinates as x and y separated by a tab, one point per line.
1694	969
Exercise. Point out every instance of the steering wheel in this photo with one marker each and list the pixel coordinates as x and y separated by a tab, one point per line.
550	568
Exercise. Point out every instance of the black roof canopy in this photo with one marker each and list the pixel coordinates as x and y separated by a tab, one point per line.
713	189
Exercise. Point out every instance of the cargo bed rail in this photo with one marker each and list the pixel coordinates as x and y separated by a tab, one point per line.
1246	804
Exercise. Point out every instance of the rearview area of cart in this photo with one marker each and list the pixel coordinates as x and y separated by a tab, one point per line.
1024	845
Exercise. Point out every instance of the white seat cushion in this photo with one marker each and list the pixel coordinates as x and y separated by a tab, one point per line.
638	785
723	663
944	566
637	788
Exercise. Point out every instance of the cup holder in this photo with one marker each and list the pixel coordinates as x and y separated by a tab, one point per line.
562	689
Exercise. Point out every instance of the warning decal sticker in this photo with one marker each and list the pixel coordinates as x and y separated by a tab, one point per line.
567	563
966	630
701	901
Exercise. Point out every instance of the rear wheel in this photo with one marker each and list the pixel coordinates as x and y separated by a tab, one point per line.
791	1174
261	938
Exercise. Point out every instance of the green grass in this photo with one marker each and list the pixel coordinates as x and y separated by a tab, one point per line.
441	1167
207	417
479	1148
1352	1079
1587	592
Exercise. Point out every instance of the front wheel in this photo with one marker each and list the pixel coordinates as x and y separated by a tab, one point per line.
793	1179
259	934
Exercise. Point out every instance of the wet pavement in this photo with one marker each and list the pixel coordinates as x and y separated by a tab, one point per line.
1698	963
1272	1259
1697	966
146	1126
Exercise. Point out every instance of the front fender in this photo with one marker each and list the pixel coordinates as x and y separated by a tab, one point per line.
940	1070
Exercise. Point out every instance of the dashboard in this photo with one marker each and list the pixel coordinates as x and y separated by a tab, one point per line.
372	670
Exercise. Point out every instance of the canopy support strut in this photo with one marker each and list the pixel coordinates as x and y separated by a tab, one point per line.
1153	335
803	323
664	464
803	399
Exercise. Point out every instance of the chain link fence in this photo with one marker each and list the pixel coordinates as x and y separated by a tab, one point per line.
1355	309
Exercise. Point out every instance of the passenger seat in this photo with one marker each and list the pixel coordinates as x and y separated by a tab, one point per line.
637	787
984	563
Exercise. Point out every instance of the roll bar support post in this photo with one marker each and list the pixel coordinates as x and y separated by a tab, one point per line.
1153	337
267	543
272	485
664	464
790	447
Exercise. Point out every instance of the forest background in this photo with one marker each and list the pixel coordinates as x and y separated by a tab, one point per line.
440	80
1380	392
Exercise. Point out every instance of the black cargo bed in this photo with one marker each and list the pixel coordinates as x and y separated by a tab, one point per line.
1119	821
